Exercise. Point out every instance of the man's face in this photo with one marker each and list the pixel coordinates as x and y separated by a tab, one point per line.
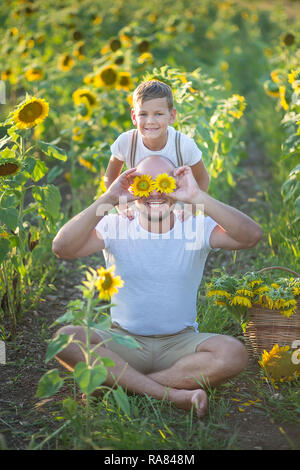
152	118
157	206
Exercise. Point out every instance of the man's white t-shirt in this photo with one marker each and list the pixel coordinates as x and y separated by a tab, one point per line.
191	154
161	272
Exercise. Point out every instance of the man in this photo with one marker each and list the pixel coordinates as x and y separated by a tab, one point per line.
161	268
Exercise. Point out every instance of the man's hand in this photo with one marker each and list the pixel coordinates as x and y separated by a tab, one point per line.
187	188
118	191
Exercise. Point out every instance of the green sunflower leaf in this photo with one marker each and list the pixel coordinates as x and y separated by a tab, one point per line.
52	150
9	217
89	378
49	384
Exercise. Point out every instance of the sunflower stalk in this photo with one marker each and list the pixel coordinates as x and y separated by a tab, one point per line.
88	354
23	278
10	303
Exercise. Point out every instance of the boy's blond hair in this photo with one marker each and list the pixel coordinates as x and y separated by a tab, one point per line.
153	89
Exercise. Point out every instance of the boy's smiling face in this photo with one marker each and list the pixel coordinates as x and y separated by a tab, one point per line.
152	118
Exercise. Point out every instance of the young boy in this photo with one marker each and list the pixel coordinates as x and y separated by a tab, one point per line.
153	114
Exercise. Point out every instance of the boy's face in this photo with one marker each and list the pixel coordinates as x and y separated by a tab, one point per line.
152	119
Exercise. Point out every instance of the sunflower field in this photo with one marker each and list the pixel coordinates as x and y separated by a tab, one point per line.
67	73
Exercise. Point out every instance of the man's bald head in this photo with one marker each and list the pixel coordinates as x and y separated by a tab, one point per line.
155	164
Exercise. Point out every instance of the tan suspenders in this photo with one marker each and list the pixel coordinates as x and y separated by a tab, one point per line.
178	151
134	143
133	148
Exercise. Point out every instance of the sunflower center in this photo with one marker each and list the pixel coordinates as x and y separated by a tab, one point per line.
124	81
164	183
89	97
31	112
107	282
66	60
109	76
8	169
143	185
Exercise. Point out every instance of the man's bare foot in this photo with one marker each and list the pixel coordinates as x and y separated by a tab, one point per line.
183	399
187	399
200	403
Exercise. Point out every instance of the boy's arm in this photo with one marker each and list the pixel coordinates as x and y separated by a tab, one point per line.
113	170
201	175
78	237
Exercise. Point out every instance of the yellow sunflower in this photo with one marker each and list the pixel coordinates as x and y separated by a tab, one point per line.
239	104
288	312
106	77
222	293
8	75
115	44
86	164
294	79
275	75
245	292
34	74
145	58
97	20
278	364
124	81
66	62
79	50
142	186
78	135
271	88
85	109
108	283
288	39
282	94
255	282
240	300
165	183
261	290
32	112
81	93
296	290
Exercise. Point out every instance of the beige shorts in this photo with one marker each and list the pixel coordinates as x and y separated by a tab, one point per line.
156	352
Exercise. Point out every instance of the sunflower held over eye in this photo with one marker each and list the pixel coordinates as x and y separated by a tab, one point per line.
165	183
142	186
108	283
32	112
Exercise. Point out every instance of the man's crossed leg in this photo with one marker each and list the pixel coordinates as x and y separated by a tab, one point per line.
215	360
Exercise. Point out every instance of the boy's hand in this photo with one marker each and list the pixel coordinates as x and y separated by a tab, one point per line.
187	187
183	214
126	211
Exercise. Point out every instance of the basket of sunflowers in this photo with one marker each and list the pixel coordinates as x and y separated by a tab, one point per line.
268	309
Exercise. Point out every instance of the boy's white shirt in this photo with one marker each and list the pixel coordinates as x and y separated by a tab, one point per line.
161	272
191	154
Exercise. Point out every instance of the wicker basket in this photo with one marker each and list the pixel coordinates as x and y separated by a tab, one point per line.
269	327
